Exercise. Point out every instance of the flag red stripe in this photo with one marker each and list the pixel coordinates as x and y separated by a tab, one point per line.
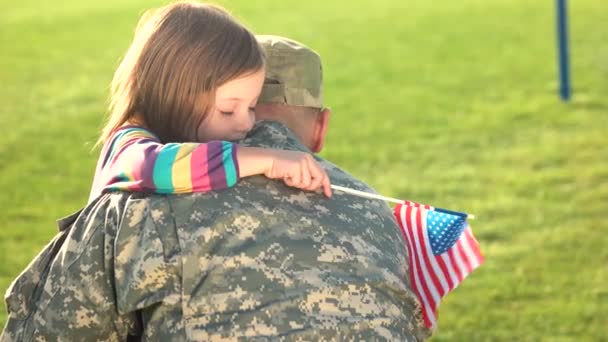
446	273
415	280
458	271
417	287
474	246
427	255
432	260
410	252
463	256
423	258
469	248
424	292
453	276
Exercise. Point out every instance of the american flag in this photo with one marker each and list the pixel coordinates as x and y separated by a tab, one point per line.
442	250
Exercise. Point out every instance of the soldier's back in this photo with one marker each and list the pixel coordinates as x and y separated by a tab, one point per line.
262	260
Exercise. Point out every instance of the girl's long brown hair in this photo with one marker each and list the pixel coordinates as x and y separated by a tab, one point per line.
180	55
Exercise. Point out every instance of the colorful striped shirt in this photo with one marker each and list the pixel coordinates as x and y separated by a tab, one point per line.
134	159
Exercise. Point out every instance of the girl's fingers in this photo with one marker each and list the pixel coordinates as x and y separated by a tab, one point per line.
287	181
321	179
305	175
316	182
317	175
326	186
295	178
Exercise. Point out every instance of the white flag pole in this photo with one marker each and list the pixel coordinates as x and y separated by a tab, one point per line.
366	194
374	196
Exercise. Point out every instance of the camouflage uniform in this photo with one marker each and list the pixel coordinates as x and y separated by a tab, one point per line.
257	262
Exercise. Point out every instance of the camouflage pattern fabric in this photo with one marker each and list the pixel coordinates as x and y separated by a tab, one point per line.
66	293
256	262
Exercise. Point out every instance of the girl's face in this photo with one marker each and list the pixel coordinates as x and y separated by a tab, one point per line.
233	114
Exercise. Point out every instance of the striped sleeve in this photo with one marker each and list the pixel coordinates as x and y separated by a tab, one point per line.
137	161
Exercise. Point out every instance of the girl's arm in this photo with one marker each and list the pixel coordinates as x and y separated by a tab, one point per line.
137	161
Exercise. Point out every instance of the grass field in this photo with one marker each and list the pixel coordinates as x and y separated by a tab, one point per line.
448	103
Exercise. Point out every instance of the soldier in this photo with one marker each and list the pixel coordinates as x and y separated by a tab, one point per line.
259	261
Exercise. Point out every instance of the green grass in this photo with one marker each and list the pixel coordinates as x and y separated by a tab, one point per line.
448	103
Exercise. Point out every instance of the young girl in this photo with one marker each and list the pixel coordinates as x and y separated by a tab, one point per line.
188	86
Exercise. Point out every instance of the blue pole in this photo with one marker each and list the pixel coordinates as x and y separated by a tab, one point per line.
562	42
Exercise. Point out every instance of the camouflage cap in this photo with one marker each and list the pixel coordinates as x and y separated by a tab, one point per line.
294	73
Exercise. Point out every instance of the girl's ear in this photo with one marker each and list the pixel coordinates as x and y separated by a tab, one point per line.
320	130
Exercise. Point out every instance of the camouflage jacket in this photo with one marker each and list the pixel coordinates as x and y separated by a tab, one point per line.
259	261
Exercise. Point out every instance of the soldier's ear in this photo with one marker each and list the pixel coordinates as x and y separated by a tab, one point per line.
320	130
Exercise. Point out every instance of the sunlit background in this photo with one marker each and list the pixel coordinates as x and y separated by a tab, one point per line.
450	103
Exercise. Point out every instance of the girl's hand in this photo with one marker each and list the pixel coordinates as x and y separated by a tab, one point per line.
299	170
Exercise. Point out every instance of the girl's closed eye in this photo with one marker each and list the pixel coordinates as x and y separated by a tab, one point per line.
228	113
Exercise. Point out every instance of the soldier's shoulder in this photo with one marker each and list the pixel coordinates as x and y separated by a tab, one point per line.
273	134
